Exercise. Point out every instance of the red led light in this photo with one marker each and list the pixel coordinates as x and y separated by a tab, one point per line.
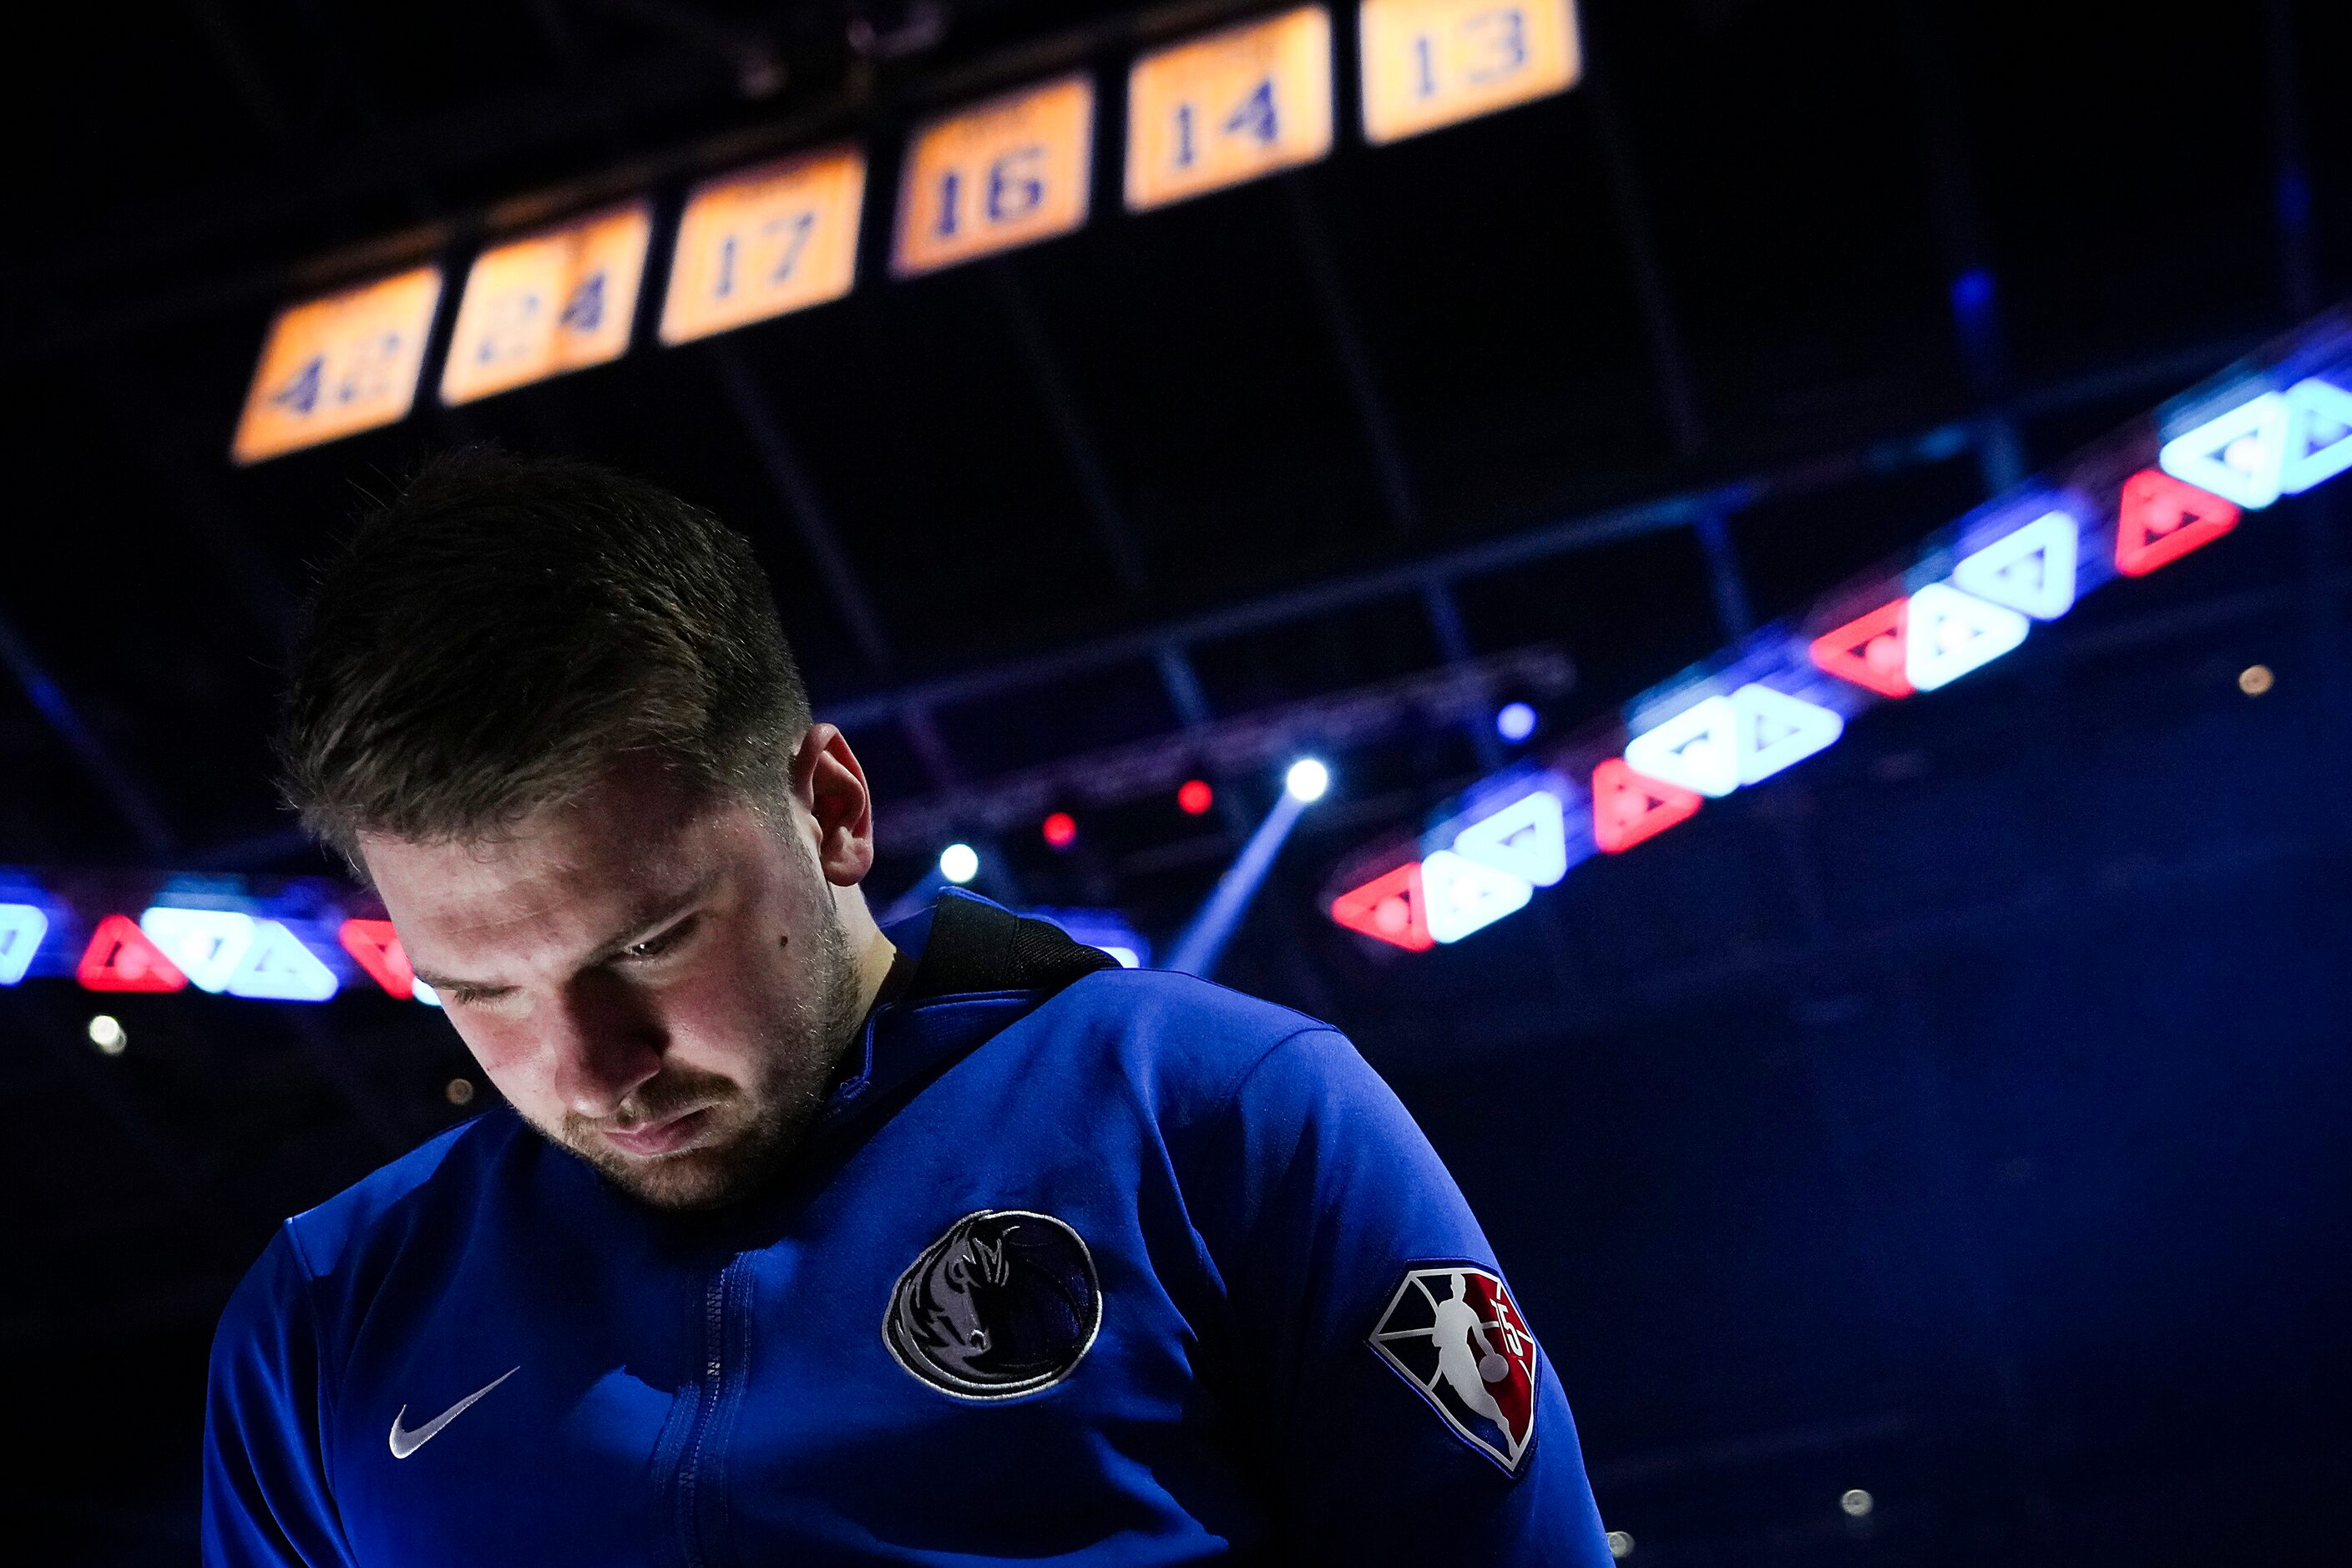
2160	520
1061	831
1195	796
1628	808
375	947
1392	908
1869	652
121	958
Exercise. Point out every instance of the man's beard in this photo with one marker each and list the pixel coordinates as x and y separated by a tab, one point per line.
754	1126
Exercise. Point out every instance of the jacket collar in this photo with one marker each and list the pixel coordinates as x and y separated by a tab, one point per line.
967	969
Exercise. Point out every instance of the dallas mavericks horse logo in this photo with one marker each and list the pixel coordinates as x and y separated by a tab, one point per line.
1004	1304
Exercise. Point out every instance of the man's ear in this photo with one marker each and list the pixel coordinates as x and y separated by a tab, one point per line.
830	786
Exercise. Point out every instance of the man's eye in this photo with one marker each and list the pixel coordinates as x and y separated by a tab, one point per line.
655	946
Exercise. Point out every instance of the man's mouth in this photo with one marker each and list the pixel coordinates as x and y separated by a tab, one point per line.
651	1140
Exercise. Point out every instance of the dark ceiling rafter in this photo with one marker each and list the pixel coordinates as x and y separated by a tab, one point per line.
797	497
1670	367
1590	530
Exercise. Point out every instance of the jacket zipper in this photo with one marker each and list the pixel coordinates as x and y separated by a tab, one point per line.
714	1324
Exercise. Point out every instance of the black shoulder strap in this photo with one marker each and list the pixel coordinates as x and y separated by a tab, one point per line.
976	945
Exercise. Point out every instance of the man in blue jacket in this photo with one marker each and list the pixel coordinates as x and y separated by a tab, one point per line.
802	1240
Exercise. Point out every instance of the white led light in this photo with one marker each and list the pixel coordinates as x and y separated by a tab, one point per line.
2031	569
958	863
1698	749
1307	780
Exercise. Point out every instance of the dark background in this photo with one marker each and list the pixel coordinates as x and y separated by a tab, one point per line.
1957	1117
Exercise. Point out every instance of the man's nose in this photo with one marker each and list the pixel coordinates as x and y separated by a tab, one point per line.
607	1042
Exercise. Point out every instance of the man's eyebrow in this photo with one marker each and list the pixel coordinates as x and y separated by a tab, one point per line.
651	914
446	983
654	913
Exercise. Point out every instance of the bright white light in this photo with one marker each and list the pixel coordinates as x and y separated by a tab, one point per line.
1515	721
1464	896
108	1034
1620	1545
1698	748
1307	779
2238	454
1857	1503
22	926
958	863
208	945
1127	956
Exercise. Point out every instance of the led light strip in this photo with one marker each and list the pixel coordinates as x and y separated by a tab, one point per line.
1967	597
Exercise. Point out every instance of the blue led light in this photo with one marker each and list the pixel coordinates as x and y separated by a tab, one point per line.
279	968
2031	569
1777	730
1698	749
1950	633
1528	838
22	927
206	945
1463	896
1515	721
2319	435
2237	455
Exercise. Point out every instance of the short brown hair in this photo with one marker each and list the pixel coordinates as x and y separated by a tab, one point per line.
494	633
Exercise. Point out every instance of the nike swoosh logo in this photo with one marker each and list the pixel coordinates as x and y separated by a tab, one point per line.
407	1443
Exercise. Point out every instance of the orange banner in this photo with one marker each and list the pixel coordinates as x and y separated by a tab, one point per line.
1229	107
764	241
556	301
1428	63
1006	173
339	364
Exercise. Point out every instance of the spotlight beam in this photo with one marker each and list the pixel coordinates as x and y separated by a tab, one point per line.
1204	941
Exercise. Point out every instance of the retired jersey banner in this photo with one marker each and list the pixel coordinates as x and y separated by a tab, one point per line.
1006	173
765	241
1428	63
559	300
339	364
1220	110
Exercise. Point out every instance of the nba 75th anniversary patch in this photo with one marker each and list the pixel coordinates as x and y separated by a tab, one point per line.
1453	1332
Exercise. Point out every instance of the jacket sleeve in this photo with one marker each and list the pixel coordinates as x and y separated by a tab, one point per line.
1328	1220
266	1503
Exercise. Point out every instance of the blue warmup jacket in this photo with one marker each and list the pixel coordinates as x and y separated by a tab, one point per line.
1089	1265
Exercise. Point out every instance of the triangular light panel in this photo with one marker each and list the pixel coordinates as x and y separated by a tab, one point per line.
1389	907
1776	729
1698	749
22	927
279	968
375	947
1528	838
2238	454
2031	569
1628	809
119	957
1464	896
2319	435
206	945
1952	632
2160	519
1867	650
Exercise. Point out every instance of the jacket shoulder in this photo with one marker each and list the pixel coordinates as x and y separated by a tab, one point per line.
389	1197
1182	1030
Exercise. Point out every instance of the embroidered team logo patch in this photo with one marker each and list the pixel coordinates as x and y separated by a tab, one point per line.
1453	1332
1005	1302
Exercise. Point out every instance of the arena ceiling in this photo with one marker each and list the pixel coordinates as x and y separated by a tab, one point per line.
996	500
1797	283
